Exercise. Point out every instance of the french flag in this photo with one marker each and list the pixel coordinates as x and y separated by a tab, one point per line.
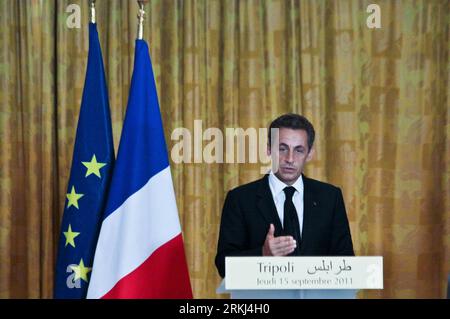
140	252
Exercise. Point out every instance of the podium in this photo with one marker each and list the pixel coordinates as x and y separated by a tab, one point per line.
288	293
300	277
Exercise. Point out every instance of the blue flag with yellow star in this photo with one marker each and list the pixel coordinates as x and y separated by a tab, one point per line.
92	163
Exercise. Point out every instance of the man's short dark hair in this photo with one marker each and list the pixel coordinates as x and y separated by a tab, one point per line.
295	122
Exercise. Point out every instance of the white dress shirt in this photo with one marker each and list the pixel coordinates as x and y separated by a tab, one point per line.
277	186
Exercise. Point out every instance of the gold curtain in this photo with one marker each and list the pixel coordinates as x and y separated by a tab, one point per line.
379	99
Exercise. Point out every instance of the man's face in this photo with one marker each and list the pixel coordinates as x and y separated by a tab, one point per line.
292	154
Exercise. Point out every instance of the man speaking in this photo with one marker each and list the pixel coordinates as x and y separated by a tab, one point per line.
285	213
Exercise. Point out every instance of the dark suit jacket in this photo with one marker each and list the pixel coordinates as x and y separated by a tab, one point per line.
249	210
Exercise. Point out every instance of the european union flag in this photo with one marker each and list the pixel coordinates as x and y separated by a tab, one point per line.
92	164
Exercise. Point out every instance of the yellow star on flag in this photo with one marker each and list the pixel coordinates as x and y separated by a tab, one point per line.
93	167
73	198
70	236
81	271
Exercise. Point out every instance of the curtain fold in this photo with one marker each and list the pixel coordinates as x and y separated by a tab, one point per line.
379	100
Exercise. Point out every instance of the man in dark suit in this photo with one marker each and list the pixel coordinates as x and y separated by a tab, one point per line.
285	213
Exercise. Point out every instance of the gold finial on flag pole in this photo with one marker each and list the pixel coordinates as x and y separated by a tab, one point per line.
141	15
92	5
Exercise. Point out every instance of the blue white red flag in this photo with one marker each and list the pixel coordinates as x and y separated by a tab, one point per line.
140	252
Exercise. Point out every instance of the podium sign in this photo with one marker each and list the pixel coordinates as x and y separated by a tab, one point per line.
275	273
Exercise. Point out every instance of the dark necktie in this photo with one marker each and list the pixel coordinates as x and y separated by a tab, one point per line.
290	221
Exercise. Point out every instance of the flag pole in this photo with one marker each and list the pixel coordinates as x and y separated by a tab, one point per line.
92	5
141	15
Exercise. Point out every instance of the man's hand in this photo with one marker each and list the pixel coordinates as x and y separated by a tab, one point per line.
278	246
